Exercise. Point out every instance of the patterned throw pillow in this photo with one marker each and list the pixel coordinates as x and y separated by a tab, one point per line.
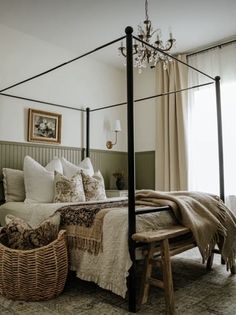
68	190
94	187
22	236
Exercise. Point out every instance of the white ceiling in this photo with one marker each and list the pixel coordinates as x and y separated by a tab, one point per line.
81	25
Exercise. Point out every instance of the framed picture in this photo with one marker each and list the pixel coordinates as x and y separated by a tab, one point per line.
44	126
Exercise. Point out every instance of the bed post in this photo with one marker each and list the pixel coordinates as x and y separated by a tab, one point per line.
87	131
220	138
131	169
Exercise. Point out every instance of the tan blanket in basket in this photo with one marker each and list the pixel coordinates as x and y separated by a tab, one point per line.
205	215
83	224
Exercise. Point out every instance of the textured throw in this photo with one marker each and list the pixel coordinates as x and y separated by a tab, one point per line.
84	223
210	221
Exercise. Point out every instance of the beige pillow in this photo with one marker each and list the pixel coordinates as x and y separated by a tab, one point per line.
94	187
13	184
68	189
22	236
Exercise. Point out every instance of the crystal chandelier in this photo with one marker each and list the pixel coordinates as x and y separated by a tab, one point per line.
143	54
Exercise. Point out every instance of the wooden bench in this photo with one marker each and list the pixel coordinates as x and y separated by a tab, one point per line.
161	245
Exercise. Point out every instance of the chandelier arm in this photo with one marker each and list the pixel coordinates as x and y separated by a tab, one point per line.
122	52
171	43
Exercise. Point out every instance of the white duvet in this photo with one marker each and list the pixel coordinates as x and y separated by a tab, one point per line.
110	268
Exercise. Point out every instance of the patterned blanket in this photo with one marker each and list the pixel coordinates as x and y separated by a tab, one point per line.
84	222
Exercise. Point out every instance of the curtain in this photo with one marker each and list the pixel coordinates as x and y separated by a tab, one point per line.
202	128
171	152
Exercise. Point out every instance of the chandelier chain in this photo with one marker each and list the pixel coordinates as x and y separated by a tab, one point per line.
146	10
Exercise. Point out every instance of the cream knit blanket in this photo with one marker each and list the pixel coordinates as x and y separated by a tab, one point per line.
210	221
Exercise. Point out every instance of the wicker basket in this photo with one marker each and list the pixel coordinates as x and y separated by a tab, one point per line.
36	274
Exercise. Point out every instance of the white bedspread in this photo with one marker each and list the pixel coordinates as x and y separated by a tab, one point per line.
110	268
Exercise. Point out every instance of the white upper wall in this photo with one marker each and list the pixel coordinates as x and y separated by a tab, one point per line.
145	111
83	83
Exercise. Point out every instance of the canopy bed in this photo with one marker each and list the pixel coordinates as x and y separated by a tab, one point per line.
133	213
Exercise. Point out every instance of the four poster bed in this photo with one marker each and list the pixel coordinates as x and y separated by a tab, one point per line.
134	213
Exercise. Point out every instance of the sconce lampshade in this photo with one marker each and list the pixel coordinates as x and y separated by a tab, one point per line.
117	126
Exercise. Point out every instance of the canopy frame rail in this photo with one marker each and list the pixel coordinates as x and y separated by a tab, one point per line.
173	57
153	96
41	102
62	64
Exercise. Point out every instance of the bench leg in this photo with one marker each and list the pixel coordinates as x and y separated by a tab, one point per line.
233	270
210	262
167	277
145	285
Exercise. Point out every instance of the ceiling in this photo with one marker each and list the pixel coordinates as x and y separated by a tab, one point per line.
82	25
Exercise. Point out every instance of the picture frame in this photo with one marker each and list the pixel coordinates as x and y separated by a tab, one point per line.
44	126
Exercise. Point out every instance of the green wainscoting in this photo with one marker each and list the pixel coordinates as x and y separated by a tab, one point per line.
12	156
145	170
109	162
12	153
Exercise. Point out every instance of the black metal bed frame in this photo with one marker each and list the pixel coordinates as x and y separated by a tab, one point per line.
130	136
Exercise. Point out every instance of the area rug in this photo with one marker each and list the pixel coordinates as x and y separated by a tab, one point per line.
197	291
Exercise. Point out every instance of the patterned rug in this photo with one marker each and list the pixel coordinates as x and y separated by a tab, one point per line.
197	291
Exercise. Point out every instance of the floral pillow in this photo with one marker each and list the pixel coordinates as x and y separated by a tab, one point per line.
94	187
68	189
22	236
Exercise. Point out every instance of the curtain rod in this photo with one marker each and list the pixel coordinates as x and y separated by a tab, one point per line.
211	47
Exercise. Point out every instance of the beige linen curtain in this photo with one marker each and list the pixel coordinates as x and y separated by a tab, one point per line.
171	151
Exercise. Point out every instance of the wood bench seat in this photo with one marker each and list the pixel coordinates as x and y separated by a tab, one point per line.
161	246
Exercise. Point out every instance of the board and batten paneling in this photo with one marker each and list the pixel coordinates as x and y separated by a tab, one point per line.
109	162
12	153
145	170
12	156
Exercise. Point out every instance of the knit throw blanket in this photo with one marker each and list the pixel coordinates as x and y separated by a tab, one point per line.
210	221
83	223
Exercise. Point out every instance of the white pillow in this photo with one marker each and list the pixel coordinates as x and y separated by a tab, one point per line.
39	180
70	169
55	165
13	183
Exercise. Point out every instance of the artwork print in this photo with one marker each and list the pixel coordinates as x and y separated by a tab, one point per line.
44	126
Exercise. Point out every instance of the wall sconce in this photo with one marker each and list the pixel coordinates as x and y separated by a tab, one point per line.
117	128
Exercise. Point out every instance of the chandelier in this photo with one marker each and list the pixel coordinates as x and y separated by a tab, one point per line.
145	55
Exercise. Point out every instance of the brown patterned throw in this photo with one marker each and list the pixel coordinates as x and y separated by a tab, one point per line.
83	223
